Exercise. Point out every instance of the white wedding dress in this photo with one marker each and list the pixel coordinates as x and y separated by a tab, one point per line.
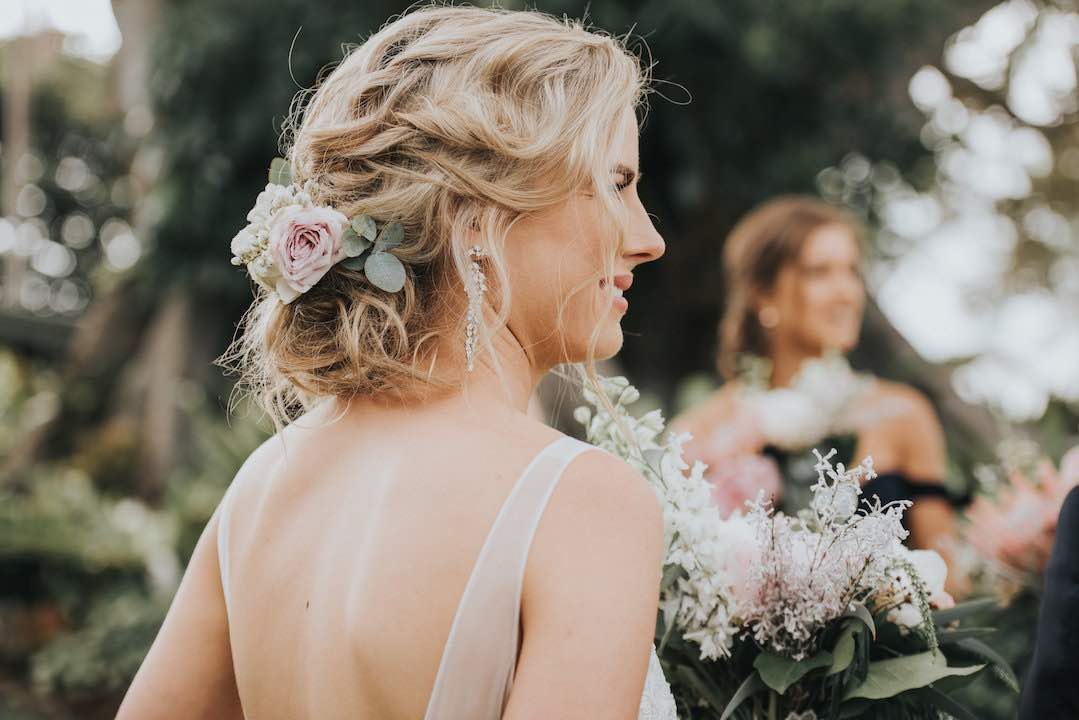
477	667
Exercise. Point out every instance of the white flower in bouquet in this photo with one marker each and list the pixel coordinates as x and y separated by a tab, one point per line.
821	400
814	569
698	595
906	590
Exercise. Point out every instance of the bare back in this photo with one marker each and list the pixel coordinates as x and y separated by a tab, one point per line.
349	548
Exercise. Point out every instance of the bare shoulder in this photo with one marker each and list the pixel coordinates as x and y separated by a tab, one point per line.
602	510
915	430
907	403
598	480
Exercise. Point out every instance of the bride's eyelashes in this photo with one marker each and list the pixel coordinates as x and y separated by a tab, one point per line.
624	177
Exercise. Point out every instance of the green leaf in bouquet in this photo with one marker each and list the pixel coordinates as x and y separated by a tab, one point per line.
963	610
843	652
280	172
749	687
961	633
861	612
354	263
354	244
671	573
703	685
779	672
888	678
984	652
364	226
852	709
385	271
941	701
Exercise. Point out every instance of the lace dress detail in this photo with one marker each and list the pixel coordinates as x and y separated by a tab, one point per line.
657	703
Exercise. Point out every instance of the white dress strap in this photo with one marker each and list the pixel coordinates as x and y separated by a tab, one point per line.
478	663
223	523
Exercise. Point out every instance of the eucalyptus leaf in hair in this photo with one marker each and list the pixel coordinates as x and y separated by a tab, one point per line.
385	271
392	235
354	245
353	263
280	172
364	226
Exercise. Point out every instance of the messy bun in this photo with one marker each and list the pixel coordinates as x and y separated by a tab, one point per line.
447	119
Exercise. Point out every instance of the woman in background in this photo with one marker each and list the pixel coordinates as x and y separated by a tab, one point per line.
795	294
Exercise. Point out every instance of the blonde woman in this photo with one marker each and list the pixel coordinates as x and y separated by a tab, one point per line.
414	545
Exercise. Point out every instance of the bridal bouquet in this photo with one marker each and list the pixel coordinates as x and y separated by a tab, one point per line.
763	615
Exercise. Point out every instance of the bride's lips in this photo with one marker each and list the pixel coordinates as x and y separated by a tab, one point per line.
621	284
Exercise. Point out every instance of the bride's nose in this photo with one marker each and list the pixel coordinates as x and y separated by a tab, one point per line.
644	243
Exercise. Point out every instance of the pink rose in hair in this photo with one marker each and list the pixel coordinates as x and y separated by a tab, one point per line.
305	242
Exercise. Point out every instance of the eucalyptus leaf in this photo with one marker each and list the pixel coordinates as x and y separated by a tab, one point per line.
280	172
364	226
392	235
888	678
779	672
750	687
353	263
353	243
385	271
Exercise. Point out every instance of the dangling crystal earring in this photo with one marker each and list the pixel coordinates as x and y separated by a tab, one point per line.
475	287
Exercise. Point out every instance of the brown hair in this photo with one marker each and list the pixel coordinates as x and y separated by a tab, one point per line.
766	240
447	120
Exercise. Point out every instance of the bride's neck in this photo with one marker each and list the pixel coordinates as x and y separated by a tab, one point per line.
510	381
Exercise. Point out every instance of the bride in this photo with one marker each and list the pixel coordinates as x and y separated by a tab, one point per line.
459	215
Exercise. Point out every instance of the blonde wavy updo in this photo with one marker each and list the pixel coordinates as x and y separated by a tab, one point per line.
448	118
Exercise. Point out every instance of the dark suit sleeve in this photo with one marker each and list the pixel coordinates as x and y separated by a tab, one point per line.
1051	687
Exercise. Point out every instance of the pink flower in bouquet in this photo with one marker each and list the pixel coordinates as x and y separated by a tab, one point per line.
739	478
735	468
1017	528
306	242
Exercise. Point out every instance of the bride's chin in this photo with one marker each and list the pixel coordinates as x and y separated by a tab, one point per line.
610	341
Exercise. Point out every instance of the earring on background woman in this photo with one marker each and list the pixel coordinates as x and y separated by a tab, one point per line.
475	287
768	317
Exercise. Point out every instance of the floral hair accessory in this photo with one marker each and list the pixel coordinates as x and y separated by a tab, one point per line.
290	242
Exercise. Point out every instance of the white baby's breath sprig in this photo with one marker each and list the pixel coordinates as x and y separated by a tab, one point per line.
697	593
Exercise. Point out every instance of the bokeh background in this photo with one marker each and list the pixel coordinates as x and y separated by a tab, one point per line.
136	133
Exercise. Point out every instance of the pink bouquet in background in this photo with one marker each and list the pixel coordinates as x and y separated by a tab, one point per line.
1014	531
736	469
